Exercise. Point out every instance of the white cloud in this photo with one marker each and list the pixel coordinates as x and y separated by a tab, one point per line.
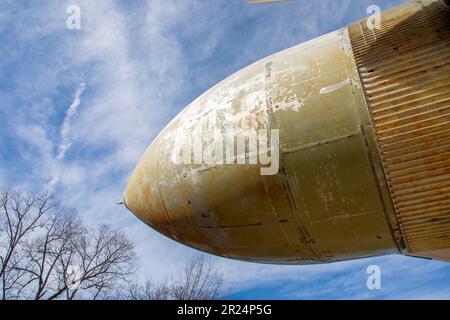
65	142
65	128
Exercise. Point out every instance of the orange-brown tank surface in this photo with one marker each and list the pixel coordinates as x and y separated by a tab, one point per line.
363	120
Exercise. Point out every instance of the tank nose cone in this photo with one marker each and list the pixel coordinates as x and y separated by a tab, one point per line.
321	203
142	197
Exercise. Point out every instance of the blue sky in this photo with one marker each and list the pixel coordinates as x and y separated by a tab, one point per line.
79	107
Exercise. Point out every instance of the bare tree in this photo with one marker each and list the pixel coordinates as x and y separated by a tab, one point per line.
199	280
46	253
20	216
105	257
148	291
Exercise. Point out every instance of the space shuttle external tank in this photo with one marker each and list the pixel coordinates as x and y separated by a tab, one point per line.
356	125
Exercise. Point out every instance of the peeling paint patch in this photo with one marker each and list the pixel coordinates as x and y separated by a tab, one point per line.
290	104
335	86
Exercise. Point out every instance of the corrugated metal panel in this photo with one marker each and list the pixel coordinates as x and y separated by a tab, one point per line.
405	70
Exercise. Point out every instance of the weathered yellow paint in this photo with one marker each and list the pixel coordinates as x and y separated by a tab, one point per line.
329	201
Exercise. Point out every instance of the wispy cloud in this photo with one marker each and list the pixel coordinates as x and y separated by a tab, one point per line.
65	142
65	128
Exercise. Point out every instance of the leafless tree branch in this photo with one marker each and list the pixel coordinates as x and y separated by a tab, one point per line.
46	253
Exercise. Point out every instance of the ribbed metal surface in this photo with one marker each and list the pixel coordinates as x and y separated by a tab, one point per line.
405	71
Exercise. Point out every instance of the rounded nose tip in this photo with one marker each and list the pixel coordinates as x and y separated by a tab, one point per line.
128	201
141	197
135	198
